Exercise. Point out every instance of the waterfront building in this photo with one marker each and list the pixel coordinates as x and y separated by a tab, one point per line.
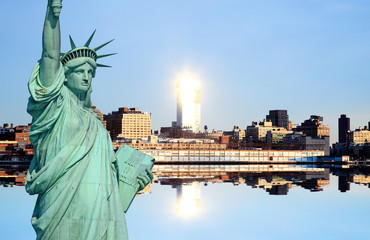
237	134
313	128
359	136
279	118
216	135
276	137
344	125
173	144
257	132
261	156
22	135
171	132
188	105
128	123
322	144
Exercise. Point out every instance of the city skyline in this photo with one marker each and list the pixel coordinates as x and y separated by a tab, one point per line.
310	58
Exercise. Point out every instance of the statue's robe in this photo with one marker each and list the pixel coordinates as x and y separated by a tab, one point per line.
74	167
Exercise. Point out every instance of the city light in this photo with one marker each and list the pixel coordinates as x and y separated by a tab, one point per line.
187	91
188	100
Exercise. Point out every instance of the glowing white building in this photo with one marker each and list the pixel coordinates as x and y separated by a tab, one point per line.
188	104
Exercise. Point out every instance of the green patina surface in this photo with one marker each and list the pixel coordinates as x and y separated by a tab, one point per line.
83	187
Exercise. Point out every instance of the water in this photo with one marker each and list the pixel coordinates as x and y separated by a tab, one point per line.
313	207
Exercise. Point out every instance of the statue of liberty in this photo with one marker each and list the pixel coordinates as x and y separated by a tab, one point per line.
81	183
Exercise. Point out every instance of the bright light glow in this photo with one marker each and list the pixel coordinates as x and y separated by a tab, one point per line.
189	200
188	103
187	91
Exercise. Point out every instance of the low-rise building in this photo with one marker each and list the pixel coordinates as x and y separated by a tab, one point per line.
322	144
128	123
204	155
100	115
359	136
173	144
313	128
22	133
236	134
257	132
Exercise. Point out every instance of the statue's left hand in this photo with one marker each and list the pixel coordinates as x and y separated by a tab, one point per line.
144	178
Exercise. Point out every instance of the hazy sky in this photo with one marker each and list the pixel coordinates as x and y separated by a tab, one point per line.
309	57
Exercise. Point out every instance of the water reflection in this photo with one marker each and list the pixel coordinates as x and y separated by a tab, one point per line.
188	199
13	174
275	179
210	205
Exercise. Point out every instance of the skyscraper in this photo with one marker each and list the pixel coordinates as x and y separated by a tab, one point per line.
188	104
344	125
279	118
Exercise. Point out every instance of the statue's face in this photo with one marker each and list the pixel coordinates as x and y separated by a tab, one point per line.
79	79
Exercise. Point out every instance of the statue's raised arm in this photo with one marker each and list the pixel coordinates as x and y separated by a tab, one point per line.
50	58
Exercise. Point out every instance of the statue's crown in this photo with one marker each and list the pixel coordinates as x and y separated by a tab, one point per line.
84	51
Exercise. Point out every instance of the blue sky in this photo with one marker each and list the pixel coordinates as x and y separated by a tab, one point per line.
309	57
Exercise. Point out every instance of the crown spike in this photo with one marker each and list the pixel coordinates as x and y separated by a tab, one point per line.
97	48
102	65
73	45
90	38
105	55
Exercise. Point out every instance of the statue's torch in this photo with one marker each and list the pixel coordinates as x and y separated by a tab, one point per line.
56	5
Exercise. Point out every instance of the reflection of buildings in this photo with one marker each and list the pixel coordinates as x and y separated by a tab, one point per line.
275	179
187	189
273	184
11	174
343	184
188	198
360	179
14	141
354	174
279	183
